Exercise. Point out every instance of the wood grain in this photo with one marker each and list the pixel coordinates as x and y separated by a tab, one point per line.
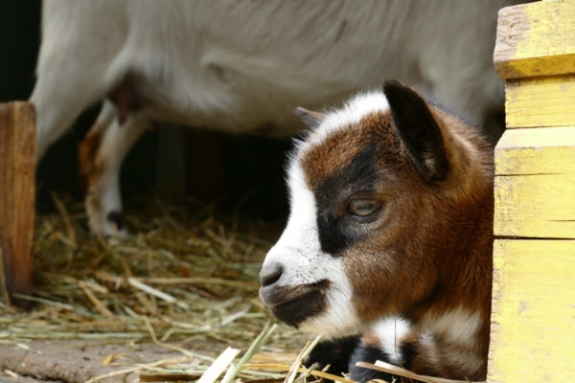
539	102
17	180
535	183
533	314
536	40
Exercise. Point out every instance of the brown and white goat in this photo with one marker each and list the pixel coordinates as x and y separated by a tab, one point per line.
240	66
387	249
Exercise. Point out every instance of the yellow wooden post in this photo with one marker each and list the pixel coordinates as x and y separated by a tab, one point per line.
533	317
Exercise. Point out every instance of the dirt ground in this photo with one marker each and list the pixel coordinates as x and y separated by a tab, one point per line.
74	361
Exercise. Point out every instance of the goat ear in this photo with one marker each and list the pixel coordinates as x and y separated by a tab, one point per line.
418	129
310	118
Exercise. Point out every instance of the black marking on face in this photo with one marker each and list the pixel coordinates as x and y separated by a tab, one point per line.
338	230
303	306
117	218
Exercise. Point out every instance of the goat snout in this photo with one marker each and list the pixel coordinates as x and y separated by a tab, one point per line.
270	274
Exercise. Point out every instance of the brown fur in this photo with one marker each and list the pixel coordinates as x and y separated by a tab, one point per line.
91	169
91	166
430	251
337	152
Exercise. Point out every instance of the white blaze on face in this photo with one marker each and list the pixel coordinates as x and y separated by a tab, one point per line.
358	107
299	252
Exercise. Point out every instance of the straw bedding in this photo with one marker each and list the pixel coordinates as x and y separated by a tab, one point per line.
186	279
185	276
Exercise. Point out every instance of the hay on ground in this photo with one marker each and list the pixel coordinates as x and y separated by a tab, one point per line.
186	279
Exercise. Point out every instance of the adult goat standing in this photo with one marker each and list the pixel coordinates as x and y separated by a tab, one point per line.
242	66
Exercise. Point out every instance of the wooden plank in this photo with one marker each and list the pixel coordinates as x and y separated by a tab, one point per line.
535	183
533	314
536	40
535	206
536	151
539	102
17	177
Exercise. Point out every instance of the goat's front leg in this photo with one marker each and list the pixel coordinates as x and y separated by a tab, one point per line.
334	354
101	155
394	340
391	340
339	356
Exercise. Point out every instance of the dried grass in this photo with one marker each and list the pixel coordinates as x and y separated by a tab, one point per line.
186	277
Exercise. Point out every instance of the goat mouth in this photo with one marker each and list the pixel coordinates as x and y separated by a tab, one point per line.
293	305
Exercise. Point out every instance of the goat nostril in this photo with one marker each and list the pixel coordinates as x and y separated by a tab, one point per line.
269	277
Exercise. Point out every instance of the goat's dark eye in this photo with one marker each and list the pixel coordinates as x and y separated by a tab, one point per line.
363	207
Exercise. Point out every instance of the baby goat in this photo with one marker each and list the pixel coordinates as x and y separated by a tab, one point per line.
388	245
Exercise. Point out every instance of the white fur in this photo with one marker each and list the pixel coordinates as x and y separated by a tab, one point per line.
240	65
458	330
455	330
349	114
390	332
299	252
458	326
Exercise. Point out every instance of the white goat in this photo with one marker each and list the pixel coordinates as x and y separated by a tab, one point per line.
242	66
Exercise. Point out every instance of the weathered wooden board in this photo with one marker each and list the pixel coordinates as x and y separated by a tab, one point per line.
535	206
535	183
539	102
533	315
17	183
536	151
536	39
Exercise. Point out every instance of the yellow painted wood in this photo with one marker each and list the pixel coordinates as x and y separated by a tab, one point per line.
536	39
536	151
535	206
533	314
535	183
538	102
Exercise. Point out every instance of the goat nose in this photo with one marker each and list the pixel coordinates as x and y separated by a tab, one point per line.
270	274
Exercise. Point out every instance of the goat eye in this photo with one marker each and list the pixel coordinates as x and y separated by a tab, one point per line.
363	207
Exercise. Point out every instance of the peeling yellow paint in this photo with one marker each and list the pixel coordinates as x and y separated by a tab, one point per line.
536	39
